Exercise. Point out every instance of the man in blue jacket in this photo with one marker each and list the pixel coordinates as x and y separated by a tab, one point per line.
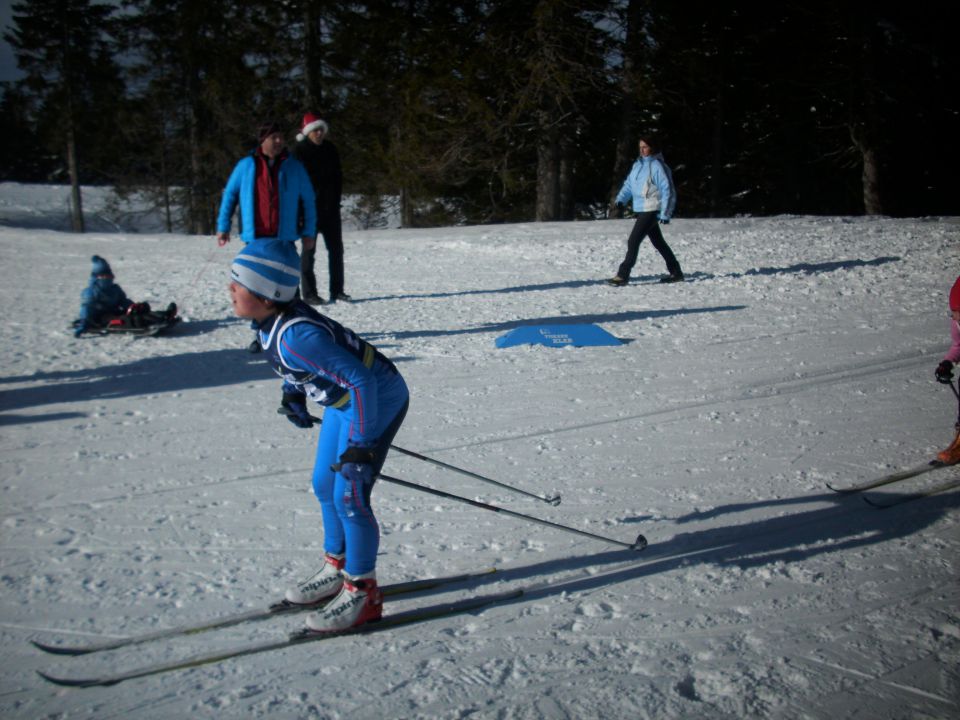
270	186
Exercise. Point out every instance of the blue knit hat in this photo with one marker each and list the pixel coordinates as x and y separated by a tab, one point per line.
100	266
268	268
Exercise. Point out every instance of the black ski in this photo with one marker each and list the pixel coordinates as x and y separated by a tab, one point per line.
910	497
888	479
279	608
299	637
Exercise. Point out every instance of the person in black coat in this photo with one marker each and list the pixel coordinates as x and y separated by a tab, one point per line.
322	161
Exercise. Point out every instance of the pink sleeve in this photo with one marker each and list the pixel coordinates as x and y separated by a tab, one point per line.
953	354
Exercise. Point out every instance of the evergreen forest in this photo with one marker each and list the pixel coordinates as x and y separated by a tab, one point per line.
497	111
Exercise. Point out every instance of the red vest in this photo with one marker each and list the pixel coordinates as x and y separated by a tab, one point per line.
266	196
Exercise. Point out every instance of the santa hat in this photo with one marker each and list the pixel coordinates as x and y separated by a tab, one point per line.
100	267
955	295
310	123
268	268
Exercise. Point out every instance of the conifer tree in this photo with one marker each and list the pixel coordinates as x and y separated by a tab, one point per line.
65	50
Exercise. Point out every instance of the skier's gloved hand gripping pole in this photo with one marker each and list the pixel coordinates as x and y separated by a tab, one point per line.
944	375
294	407
296	412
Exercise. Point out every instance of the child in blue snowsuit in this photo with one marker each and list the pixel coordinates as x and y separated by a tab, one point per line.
103	301
365	400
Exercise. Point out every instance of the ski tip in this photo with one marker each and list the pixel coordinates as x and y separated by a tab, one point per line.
639	544
70	682
58	649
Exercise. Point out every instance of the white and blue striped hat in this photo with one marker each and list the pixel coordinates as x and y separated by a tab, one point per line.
268	268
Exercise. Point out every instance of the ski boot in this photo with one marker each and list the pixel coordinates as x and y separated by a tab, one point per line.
324	584
360	601
951	456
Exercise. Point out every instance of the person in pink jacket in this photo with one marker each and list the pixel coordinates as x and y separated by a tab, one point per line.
944	371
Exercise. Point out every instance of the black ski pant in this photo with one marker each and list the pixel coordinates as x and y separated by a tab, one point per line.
646	224
332	233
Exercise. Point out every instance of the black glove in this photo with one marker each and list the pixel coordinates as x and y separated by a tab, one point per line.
664	221
618	210
356	465
294	407
944	372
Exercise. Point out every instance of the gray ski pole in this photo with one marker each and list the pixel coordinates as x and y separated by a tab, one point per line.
555	500
639	544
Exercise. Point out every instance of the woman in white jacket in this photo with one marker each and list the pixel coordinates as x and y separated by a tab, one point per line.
649	185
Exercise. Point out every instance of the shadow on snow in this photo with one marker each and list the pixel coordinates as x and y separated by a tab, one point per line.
798	269
844	523
147	376
626	316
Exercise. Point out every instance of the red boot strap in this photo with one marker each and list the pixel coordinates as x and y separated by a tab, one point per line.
337	562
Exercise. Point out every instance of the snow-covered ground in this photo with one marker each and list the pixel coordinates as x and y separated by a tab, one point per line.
150	481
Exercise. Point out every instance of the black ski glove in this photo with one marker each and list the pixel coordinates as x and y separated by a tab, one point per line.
356	465
294	407
944	372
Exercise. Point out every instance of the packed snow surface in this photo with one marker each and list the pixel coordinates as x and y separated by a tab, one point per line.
148	482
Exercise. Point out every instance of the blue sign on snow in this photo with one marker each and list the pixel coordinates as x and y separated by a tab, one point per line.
557	336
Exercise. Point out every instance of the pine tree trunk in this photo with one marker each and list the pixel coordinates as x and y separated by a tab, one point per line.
406	208
76	200
165	189
312	57
565	200
870	177
548	175
719	154
872	202
866	127
197	209
625	150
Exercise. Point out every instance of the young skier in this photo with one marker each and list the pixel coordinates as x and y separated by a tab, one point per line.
365	400
104	305
944	371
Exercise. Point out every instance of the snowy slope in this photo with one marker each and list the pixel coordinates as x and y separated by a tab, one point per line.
149	481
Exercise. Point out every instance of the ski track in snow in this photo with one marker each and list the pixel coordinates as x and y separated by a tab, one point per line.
148	481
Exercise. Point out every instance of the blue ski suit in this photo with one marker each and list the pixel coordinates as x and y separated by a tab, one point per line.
365	400
101	301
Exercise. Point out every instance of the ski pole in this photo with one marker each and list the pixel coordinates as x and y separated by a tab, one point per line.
958	400
639	544
555	500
